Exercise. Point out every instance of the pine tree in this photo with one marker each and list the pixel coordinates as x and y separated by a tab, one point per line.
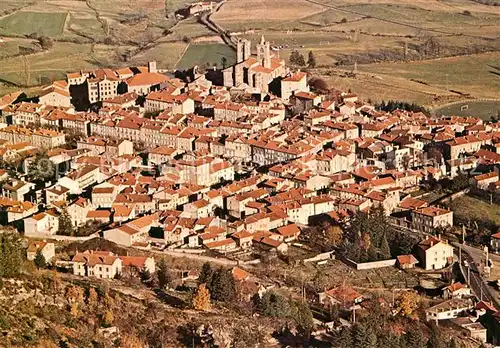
311	61
11	254
303	319
65	225
415	339
163	274
363	336
301	61
206	274
343	339
40	260
222	286
294	57
385	251
201	301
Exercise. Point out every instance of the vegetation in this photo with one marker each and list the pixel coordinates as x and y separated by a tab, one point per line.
297	58
39	260
201	300
206	55
369	237
11	254
41	169
65	225
163	274
392	105
26	23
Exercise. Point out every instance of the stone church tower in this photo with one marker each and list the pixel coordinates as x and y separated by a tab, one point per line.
264	53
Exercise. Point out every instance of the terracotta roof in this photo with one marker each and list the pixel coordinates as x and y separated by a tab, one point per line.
147	79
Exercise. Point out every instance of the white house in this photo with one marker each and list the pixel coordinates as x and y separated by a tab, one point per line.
46	249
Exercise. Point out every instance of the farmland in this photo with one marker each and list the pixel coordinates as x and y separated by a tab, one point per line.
206	54
26	23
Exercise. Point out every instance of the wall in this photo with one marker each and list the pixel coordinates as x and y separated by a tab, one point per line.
370	265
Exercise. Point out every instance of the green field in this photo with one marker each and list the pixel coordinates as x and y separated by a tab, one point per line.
476	75
26	23
203	54
482	109
468	207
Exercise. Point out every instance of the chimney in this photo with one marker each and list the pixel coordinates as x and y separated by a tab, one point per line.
152	67
432	243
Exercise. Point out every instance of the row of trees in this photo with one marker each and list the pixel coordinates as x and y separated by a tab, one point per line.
298	59
392	105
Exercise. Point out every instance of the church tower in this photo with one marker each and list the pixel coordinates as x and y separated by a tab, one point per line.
264	53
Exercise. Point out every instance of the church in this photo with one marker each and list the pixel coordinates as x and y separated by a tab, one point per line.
254	73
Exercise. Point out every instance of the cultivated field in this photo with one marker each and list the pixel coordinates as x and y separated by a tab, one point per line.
206	55
26	23
476	75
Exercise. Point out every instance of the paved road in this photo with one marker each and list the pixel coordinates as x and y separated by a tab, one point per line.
469	267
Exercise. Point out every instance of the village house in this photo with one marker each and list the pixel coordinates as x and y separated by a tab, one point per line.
434	253
427	219
456	290
293	84
45	223
46	249
344	295
99	264
134	232
448	309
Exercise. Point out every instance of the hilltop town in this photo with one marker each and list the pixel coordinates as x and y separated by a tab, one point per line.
257	193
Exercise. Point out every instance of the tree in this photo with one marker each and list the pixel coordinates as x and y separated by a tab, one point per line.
436	339
130	341
11	254
41	168
301	61
415	339
206	273
303	319
65	226
460	182
201	301
363	335
92	298
145	275
334	236
222	285
297	58
74	294
40	260
311	60
385	251
108	318
163	274
407	303
272	304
